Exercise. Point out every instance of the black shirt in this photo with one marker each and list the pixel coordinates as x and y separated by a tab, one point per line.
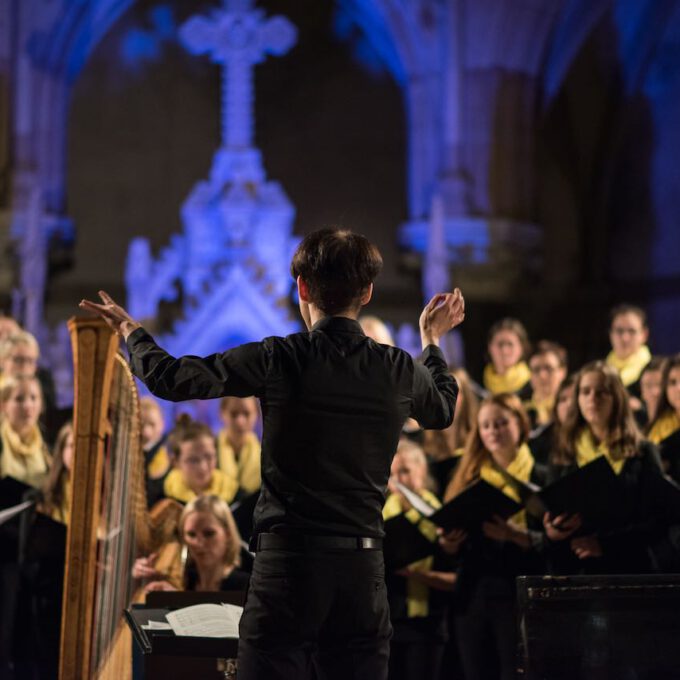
333	404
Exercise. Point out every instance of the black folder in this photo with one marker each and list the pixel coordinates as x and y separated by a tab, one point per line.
477	503
474	505
594	491
12	492
404	543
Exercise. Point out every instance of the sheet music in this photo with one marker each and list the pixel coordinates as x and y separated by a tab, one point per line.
7	514
423	507
206	620
157	625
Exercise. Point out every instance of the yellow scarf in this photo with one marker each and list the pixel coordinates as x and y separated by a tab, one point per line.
174	486
513	380
520	468
630	368
159	464
543	408
666	425
246	470
24	459
417	593
587	451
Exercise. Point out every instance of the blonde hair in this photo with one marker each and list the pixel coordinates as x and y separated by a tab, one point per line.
8	345
215	506
376	329
149	404
11	383
413	451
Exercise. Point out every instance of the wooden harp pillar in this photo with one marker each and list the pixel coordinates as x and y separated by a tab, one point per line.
109	522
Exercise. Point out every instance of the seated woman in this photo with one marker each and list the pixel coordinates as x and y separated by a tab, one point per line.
156	459
23	452
491	558
207	529
238	447
417	610
665	428
602	424
19	356
548	366
508	347
628	334
445	447
192	447
57	489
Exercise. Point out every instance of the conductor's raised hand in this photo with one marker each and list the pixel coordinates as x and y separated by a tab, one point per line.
442	313
114	315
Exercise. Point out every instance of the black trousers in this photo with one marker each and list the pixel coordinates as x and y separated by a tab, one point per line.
312	614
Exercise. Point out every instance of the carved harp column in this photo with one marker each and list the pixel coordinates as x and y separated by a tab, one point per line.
109	524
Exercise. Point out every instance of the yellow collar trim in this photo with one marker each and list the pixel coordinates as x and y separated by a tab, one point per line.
220	485
587	451
666	425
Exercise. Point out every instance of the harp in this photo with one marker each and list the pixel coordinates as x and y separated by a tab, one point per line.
110	525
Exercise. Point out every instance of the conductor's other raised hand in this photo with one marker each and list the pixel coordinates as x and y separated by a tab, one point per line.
442	313
114	315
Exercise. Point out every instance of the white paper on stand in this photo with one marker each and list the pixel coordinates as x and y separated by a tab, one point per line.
206	620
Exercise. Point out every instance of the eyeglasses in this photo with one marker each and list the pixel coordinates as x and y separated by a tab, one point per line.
543	368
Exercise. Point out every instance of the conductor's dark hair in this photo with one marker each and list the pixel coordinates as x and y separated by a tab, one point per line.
338	266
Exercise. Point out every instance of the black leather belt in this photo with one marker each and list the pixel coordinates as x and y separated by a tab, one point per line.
304	542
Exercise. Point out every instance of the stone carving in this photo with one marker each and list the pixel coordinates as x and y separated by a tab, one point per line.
230	264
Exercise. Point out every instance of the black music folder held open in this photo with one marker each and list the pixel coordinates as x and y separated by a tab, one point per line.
594	491
12	492
477	503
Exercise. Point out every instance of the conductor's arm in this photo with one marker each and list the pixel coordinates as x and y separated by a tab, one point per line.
239	372
434	390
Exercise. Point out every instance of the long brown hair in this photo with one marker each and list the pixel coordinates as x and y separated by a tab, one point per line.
664	405
53	489
475	451
623	434
568	382
442	444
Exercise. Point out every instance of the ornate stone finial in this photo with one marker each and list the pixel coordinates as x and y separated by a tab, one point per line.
237	37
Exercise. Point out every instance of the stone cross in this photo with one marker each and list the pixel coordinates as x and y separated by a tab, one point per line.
237	37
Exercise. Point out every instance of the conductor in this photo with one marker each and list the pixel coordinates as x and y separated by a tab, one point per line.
333	404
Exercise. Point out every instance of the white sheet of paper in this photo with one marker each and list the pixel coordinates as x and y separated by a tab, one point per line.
206	620
157	625
422	506
8	513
